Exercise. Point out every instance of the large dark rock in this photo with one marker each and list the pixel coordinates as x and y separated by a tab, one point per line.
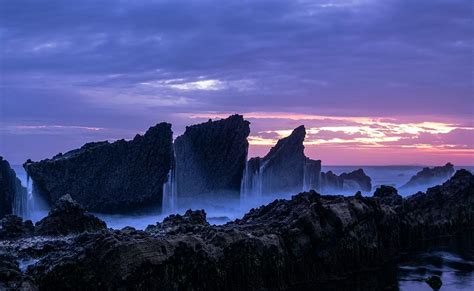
210	158
299	243
109	177
444	208
66	217
346	182
10	190
429	177
285	169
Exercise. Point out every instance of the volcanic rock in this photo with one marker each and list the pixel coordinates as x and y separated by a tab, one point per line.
67	217
210	158
109	177
429	177
303	242
10	189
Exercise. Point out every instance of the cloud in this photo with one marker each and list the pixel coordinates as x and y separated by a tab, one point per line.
128	64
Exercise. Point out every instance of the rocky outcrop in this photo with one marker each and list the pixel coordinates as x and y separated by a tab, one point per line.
445	208
10	190
346	182
66	217
429	177
285	169
297	243
122	176
210	158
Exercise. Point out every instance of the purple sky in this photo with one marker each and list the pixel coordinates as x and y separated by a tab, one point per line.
376	82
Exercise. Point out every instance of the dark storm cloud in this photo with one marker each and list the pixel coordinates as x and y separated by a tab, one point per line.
125	64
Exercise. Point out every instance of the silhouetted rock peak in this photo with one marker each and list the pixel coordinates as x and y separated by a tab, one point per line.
10	189
66	217
122	176
211	156
292	145
428	177
284	169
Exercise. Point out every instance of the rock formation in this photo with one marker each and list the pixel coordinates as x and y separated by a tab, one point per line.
210	158
346	182
67	216
285	169
122	176
429	177
10	190
302	242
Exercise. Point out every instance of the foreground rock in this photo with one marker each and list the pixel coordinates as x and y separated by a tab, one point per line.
10	189
346	182
285	169
210	158
297	243
66	217
109	177
429	177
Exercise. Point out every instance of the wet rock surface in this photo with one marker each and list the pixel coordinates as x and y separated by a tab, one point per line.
429	177
211	156
308	240
122	176
10	188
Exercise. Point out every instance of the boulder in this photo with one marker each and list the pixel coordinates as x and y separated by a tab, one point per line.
12	193
68	217
122	176
429	177
210	158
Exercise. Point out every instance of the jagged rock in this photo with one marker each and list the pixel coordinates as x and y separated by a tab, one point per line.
429	177
346	182
66	217
388	195
300	242
285	169
175	223
109	177
445	208
210	158
10	189
12	226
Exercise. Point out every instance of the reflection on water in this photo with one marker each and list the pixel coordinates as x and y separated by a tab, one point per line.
452	261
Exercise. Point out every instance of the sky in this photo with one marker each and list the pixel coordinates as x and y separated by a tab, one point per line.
374	82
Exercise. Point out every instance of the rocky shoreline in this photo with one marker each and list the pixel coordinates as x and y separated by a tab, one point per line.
309	240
